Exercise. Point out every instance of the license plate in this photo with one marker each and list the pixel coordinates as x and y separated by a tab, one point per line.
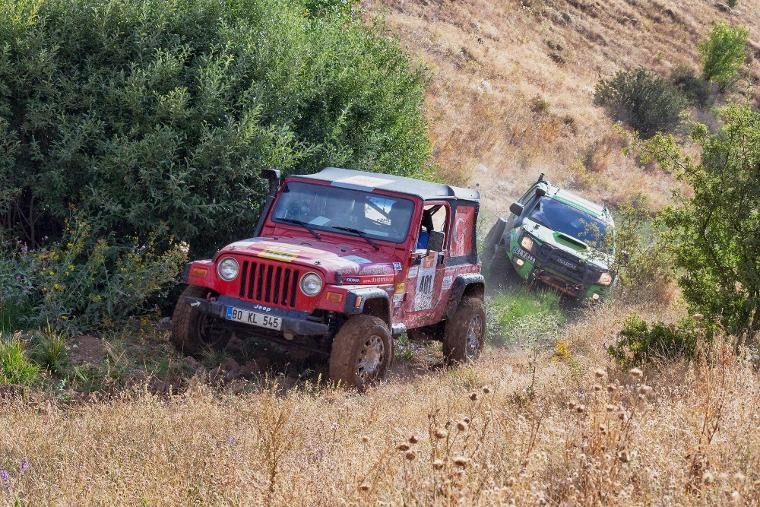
253	318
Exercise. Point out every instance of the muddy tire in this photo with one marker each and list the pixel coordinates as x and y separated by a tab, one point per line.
361	352
194	331
465	332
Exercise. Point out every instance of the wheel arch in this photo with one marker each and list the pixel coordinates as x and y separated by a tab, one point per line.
372	301
467	285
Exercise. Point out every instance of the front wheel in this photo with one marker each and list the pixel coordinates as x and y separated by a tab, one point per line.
361	352
465	332
194	331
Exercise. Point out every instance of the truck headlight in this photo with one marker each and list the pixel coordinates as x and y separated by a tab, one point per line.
527	243
311	284
228	269
605	278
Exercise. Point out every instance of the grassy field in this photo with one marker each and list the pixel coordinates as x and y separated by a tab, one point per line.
558	426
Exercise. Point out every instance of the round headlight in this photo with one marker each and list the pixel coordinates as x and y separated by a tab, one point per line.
605	278
228	269
311	284
527	243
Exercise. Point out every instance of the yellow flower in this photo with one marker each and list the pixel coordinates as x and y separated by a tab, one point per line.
51	273
57	286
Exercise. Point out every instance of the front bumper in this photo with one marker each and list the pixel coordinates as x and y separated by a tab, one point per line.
560	270
294	323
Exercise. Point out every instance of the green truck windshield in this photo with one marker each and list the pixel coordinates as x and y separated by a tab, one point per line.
571	221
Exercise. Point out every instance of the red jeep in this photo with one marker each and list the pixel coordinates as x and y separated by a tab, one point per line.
342	262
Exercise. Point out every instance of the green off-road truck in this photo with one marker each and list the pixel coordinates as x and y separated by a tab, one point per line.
559	239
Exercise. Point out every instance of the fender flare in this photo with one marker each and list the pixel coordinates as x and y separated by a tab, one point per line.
369	294
461	284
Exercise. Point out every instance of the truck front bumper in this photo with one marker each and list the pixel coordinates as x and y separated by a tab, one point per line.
294	323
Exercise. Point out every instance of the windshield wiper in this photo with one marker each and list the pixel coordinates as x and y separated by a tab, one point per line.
359	233
303	224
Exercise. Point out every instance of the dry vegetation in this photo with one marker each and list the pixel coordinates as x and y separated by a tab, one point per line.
510	95
689	436
511	84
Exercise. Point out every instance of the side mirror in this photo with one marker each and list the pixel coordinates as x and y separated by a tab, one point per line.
516	208
273	179
540	192
435	241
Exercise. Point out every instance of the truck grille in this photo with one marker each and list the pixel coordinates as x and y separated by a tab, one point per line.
562	263
267	283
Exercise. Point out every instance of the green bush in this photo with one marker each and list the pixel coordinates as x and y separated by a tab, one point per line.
714	231
642	99
159	114
640	344
15	367
692	86
723	53
83	283
643	261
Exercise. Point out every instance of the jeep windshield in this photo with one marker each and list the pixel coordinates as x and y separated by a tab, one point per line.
573	222
345	211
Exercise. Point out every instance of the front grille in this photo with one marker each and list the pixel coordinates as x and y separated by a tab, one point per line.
550	257
269	283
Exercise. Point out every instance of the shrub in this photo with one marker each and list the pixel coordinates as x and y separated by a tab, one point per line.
158	115
49	351
84	282
15	367
714	232
692	86
643	261
642	99
723	52
640	344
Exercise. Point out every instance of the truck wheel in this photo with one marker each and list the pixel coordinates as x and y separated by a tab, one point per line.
192	330
465	332
361	351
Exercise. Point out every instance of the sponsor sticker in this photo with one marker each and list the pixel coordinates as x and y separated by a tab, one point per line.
423	296
397	266
448	281
524	254
413	272
278	255
357	259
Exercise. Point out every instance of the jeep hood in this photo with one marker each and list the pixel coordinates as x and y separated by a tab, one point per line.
329	257
568	244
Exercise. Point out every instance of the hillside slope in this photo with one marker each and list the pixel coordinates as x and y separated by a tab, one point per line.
511	83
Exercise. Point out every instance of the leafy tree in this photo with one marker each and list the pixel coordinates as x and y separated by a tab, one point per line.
714	231
158	115
723	52
642	99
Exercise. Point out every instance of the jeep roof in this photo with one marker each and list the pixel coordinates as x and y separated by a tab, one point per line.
367	181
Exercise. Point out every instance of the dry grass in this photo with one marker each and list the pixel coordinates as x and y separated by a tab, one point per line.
470	435
490	61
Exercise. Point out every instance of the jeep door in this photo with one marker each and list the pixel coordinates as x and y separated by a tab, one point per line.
422	303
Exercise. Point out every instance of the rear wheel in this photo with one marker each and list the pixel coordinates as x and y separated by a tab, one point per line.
194	331
465	332
361	352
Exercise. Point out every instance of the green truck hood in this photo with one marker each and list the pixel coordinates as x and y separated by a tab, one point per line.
568	244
